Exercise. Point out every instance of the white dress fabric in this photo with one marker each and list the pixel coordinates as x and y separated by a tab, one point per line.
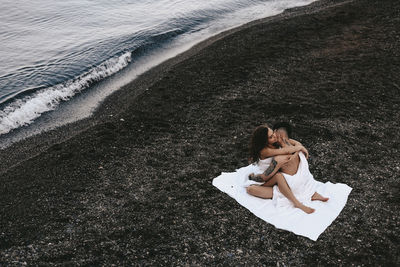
279	211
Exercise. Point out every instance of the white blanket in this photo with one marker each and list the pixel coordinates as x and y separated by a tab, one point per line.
279	211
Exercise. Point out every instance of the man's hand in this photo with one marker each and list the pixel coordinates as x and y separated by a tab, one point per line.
305	151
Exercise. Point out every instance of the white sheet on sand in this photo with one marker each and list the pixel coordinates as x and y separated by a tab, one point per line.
279	211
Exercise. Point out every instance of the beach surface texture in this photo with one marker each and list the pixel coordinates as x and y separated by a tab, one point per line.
132	184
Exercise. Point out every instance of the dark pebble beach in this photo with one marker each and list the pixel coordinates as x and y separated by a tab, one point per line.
132	185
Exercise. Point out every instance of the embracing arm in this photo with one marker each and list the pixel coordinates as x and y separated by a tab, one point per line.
272	152
294	142
268	173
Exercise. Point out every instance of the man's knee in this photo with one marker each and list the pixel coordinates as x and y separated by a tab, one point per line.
278	176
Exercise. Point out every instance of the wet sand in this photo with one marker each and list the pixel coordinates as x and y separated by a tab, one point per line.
132	185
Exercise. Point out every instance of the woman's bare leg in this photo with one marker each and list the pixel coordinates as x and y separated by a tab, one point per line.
317	196
266	191
285	190
260	191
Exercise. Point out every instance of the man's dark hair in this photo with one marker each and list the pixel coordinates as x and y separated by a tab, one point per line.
283	125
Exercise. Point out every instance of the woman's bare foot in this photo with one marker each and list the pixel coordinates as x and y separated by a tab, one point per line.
304	208
317	196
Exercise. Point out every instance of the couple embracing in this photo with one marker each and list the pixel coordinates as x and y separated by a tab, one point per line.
285	176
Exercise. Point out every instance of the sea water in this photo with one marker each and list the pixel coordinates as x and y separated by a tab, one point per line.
52	51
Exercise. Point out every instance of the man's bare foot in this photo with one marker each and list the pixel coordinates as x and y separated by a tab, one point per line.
317	196
304	208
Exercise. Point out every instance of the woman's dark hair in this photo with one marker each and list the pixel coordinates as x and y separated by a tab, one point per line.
286	126
259	140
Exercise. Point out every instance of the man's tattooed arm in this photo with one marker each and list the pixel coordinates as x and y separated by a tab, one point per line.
270	169
266	175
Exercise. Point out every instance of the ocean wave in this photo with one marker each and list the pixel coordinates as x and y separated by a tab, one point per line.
24	111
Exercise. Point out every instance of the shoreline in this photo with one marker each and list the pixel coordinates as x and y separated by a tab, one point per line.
111	104
135	188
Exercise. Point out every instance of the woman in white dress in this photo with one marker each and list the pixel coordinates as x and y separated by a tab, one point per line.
280	165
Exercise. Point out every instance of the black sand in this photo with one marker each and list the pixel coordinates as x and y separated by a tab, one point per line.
135	187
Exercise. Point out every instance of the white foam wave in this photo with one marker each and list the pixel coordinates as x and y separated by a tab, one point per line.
24	111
